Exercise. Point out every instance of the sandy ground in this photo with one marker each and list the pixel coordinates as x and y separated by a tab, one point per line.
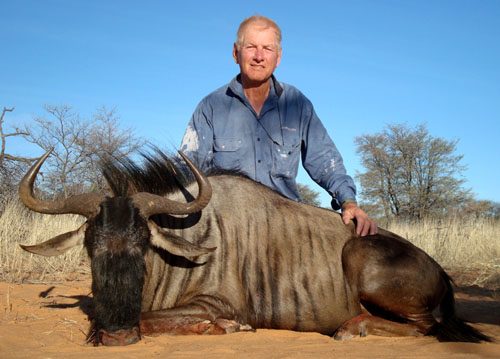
49	321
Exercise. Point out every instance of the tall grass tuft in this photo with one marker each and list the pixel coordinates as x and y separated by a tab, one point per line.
465	243
19	225
458	243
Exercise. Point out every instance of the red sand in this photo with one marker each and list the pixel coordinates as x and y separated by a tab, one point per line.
48	321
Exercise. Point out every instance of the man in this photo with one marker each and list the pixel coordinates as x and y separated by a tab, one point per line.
262	127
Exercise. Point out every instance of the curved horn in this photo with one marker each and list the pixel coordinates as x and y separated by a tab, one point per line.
150	204
84	204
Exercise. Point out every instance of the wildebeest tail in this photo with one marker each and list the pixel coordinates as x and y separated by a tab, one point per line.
451	328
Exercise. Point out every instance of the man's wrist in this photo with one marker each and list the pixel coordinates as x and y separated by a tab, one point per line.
347	201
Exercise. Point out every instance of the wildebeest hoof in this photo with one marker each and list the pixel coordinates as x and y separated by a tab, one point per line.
353	328
227	326
343	335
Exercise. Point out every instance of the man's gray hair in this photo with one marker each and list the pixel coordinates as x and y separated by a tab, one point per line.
257	19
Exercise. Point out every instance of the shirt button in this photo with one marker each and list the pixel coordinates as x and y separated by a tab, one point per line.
259	161
258	139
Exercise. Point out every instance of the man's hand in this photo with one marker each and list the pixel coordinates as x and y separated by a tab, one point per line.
364	224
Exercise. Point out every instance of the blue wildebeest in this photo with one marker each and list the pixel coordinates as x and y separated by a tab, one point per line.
217	254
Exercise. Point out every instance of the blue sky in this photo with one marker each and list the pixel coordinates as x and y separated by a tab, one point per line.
363	64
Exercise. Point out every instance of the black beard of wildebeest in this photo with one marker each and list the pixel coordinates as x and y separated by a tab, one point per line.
177	251
116	242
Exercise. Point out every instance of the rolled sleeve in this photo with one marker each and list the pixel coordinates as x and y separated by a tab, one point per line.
323	162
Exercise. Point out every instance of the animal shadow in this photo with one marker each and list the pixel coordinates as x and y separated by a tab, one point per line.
84	302
476	304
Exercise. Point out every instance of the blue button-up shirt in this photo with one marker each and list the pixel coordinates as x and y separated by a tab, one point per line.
226	132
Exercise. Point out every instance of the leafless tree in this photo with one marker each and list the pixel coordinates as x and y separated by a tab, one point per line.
409	173
106	139
5	156
61	132
308	195
77	145
10	166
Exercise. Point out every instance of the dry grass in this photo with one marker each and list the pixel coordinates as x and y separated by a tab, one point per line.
470	245
21	226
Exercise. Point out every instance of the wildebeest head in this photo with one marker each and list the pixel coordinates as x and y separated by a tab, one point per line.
117	233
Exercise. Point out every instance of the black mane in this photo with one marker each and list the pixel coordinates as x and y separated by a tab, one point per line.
158	173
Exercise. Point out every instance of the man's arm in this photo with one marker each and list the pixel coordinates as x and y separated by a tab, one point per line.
324	164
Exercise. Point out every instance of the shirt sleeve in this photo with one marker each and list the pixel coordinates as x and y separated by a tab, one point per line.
197	142
323	162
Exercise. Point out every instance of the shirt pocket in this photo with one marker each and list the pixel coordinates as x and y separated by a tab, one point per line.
286	160
227	152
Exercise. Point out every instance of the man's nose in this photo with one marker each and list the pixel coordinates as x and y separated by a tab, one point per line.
259	54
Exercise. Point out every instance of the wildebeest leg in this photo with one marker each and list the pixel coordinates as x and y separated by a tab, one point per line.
365	324
396	282
188	319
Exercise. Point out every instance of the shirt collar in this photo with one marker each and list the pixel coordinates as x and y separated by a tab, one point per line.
237	89
271	124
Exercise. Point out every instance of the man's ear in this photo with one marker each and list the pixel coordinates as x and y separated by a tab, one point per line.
279	57
235	53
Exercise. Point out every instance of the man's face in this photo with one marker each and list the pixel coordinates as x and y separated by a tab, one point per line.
259	54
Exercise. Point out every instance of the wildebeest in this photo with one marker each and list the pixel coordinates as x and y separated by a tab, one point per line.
219	254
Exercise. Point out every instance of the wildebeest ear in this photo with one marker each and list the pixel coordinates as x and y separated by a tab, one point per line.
59	244
176	245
